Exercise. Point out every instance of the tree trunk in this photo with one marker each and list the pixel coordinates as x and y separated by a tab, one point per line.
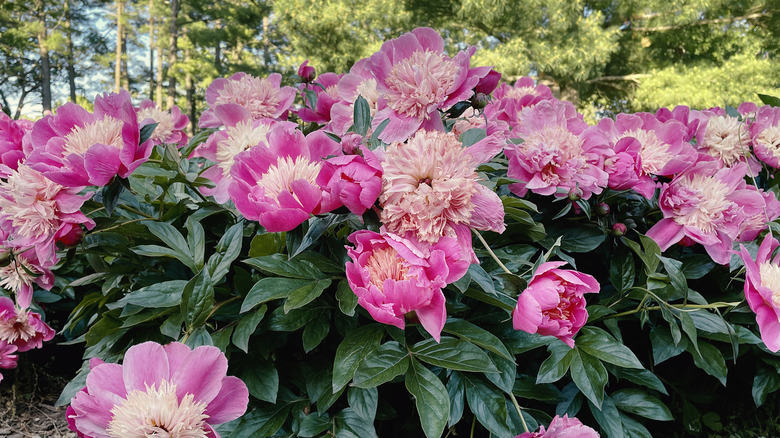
158	95
151	49
189	84
125	67
266	42
172	53
71	66
218	50
45	66
120	6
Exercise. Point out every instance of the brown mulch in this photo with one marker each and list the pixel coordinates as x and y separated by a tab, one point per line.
27	408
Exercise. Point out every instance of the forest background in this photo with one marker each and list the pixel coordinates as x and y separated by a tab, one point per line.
606	56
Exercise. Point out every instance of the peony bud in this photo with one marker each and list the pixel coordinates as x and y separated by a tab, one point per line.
575	194
619	229
306	72
479	101
602	209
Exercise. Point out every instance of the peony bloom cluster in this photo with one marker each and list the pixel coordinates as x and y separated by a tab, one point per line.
562	427
762	290
713	206
170	124
169	391
263	98
22	328
553	304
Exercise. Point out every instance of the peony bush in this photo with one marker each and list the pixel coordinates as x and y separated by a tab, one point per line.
410	248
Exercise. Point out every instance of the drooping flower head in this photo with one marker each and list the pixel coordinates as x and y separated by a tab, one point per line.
765	135
22	327
430	187
354	179
708	204
276	183
168	391
37	212
392	277
7	357
170	124
553	158
562	427
263	98
11	134
76	148
553	304
359	82
326	88
762	290
415	78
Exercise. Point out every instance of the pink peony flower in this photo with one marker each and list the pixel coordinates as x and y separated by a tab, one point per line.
415	79
724	138
509	101
488	83
7	357
392	277
358	82
430	187
355	179
22	327
37	212
765	135
563	427
263	98
326	88
170	124
681	114
22	270
276	184
553	158
76	148
553	304
169	391
762	290
708	204
11	134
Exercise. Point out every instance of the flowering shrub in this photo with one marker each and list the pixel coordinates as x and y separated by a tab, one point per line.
381	253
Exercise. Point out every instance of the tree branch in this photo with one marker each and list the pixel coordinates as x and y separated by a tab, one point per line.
701	22
632	77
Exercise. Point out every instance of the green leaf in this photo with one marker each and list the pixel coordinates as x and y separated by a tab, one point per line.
664	346
196	241
430	396
689	328
600	344
507	372
314	424
498	299
638	402
457	392
649	255
173	238
272	288
769	100
263	421
317	226
477	335
677	279
696	266
608	418
621	270
197	300
305	295
381	365
357	344
364	402
362	116
454	354
589	375
282	321
482	278
765	382
472	136
246	327
633	428
315	332
261	379
644	378
158	295
555	366
583	238
526	387
266	244
111	193
346	298
278	264
227	250
350	420
710	361
487	404
146	132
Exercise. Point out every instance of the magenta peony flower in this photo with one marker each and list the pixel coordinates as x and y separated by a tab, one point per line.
765	135
415	79
276	184
762	290
7	357
430	188
168	391
36	212
681	114
11	134
356	179
509	101
392	277
326	87
553	158
22	327
563	427
553	304
264	98
708	204
76	148
358	82
170	124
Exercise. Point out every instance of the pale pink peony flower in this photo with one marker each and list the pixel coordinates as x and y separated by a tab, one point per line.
553	158
7	357
170	124
76	148
430	187
358	82
415	79
276	184
562	427
707	204
168	391
762	290
22	327
765	135
11	134
509	101
263	98
354	179
37	212
553	304
392	277
22	270
326	88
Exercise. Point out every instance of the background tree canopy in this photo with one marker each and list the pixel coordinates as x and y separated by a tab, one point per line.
607	56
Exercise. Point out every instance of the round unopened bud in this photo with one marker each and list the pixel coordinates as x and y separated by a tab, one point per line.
575	194
619	229
479	101
602	209
306	72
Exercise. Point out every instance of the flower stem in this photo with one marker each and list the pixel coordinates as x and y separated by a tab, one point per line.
682	307
492	254
519	411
